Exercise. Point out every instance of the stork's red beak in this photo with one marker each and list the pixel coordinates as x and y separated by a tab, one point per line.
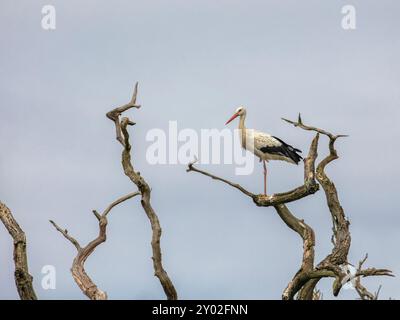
233	117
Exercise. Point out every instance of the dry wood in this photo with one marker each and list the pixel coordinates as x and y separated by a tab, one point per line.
114	114
123	137
310	186
23	280
361	290
85	283
341	237
304	282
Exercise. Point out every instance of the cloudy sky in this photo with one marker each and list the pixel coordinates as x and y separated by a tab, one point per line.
196	61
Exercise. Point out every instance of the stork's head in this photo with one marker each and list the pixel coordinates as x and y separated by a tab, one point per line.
241	111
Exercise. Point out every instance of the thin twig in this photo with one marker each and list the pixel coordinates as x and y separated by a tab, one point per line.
299	123
120	200
191	167
67	236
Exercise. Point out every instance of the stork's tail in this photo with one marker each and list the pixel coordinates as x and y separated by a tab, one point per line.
290	152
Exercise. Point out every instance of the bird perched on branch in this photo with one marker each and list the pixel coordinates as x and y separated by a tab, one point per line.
263	145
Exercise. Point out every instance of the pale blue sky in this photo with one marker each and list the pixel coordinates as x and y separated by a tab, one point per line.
196	61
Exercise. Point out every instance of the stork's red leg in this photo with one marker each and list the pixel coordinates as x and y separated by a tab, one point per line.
265	177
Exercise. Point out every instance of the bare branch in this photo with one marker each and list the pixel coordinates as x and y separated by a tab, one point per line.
66	235
191	167
23	280
96	214
304	282
375	272
361	290
115	113
341	233
309	187
299	123
377	292
79	274
279	200
307	234
145	191
303	229
341	239
120	200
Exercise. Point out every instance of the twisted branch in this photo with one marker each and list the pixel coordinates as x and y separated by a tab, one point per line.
145	191
79	274
331	264
278	201
114	114
305	280
304	230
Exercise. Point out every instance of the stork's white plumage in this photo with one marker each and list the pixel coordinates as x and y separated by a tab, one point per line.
263	145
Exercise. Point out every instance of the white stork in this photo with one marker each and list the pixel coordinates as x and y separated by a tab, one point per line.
264	146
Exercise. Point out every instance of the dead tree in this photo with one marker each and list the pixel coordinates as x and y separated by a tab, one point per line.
79	274
23	280
303	284
122	137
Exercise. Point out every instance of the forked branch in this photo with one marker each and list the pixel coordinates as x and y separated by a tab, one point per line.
114	114
363	291
145	191
333	264
304	282
278	201
85	283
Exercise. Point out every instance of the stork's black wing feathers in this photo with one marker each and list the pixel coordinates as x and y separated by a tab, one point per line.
284	149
